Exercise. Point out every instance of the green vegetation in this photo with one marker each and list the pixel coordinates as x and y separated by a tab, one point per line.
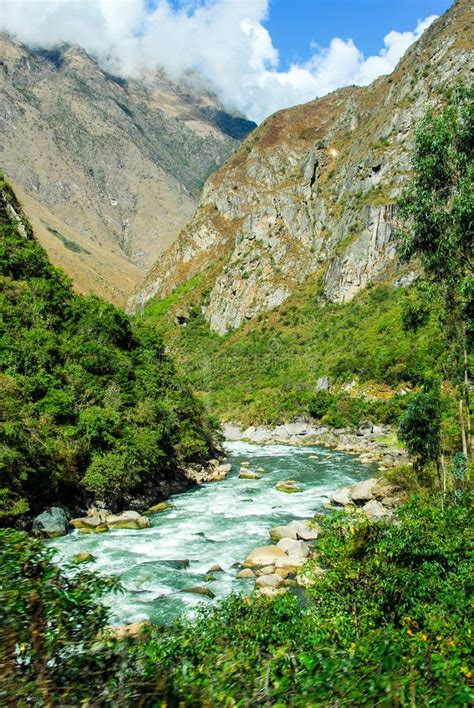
388	623
50	653
90	404
267	371
438	208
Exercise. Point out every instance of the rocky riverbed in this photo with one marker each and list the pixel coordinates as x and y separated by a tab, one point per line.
276	568
371	443
194	549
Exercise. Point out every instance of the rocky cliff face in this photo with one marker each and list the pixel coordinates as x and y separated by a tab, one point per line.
108	170
312	190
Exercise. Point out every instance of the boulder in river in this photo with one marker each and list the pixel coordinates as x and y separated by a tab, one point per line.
198	590
304	529
295	549
248	474
290	486
83	557
245	574
89	524
287	562
264	555
375	511
162	506
341	496
127	520
51	523
363	491
268	581
272	592
266	570
215	569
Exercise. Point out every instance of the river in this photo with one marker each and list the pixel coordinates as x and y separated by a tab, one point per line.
216	523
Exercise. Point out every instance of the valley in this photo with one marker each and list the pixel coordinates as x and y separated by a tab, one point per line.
235	371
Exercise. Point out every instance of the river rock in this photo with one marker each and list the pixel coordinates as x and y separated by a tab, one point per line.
245	464
198	590
279	532
341	496
157	508
303	529
264	555
306	529
127	520
289	486
268	581
266	570
375	511
363	491
215	569
245	573
83	557
134	629
272	592
292	563
173	563
89	524
248	474
52	523
294	549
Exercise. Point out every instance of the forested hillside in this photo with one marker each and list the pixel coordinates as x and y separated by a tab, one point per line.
91	407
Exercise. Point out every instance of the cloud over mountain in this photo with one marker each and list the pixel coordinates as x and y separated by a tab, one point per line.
224	40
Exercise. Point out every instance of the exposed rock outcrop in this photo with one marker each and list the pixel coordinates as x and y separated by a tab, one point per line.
312	191
108	170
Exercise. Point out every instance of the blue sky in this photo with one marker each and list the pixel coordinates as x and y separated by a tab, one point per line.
295	24
257	56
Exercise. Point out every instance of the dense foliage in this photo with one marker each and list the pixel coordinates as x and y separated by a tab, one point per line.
89	402
267	370
388	623
438	212
50	653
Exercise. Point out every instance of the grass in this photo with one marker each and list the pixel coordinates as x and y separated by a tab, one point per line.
267	370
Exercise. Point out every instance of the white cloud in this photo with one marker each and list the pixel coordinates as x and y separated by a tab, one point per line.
224	40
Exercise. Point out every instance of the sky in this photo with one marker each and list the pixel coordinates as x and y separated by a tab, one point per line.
257	55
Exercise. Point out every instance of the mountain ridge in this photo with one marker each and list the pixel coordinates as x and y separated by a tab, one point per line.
115	165
311	191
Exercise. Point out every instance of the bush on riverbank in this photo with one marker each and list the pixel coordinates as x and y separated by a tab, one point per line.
388	623
90	403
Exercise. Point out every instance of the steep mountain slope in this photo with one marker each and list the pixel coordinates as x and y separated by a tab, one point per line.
108	170
311	192
90	405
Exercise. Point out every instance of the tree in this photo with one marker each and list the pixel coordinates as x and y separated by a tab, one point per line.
438	213
54	650
420	428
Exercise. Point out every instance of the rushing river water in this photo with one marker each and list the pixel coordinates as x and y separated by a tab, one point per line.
217	523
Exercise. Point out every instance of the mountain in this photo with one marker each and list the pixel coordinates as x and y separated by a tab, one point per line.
311	192
108	170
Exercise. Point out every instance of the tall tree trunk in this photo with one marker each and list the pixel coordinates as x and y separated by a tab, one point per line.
468	405
463	428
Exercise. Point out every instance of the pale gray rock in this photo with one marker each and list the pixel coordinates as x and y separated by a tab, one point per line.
51	523
341	496
294	549
363	491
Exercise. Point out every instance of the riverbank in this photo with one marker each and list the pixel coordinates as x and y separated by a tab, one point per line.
370	443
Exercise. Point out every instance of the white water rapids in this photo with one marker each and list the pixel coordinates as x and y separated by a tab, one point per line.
216	523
